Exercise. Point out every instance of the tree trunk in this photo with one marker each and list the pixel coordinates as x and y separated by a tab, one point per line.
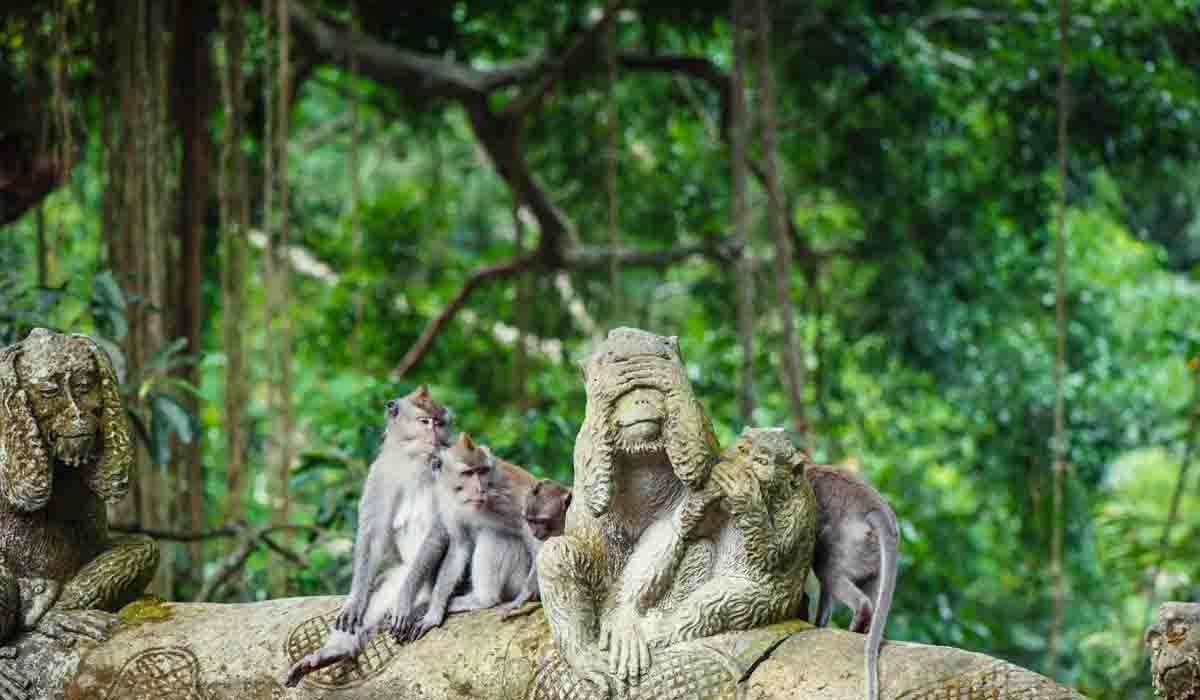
777	216
235	212
137	207
192	81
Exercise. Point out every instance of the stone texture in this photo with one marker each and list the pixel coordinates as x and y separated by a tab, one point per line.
218	652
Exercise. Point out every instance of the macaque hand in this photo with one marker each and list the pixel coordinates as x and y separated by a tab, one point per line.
350	617
628	651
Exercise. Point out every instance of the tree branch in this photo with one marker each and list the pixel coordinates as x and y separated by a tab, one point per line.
393	66
437	323
551	69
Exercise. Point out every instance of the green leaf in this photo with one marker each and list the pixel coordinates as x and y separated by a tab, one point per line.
175	417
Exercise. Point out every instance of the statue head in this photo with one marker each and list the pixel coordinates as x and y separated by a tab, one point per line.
60	407
640	405
1174	641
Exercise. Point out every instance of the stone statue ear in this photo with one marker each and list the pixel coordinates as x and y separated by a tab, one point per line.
109	478
26	475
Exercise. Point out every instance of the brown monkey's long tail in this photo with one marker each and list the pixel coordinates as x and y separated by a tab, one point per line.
885	529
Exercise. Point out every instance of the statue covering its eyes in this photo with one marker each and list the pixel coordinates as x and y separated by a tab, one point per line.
64	455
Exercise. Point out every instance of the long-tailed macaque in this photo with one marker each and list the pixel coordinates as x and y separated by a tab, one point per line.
483	519
546	508
395	515
855	558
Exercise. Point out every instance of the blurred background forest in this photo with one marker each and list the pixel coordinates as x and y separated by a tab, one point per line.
278	215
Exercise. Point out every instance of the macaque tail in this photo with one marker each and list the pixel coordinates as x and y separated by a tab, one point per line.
885	529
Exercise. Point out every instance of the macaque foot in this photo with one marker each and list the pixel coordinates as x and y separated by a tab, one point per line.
513	608
13	684
410	628
69	626
628	651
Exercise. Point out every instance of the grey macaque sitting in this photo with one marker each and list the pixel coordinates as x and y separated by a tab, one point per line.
855	558
395	516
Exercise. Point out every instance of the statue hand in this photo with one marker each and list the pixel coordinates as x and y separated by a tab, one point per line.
628	652
13	684
69	625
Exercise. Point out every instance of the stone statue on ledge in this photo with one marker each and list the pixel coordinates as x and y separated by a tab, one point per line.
667	539
64	454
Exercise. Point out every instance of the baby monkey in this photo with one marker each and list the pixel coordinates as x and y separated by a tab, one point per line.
483	504
855	558
395	516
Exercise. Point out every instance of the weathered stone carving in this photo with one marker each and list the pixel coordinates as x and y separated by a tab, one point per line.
1174	641
309	636
64	454
667	542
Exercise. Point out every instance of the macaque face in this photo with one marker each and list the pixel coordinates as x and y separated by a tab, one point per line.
640	414
62	386
417	417
546	511
468	472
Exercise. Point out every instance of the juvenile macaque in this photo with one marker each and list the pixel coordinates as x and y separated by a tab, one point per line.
482	514
396	515
546	509
855	558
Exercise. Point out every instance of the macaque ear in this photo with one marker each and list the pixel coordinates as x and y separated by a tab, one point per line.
26	477
109	478
537	487
422	393
465	442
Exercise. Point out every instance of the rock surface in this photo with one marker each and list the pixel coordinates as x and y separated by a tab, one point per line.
192	651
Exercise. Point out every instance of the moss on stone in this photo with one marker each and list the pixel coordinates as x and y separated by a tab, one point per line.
146	609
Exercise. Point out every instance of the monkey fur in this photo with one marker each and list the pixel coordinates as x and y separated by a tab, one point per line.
482	513
396	515
856	557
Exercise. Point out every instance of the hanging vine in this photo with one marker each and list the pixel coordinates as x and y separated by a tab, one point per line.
1057	572
234	213
744	266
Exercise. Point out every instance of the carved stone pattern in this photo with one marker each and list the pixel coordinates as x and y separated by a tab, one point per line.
999	681
685	672
310	635
162	673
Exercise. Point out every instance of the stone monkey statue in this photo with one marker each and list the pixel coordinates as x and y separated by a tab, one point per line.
642	540
1174	641
64	454
396	514
760	513
482	512
856	557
